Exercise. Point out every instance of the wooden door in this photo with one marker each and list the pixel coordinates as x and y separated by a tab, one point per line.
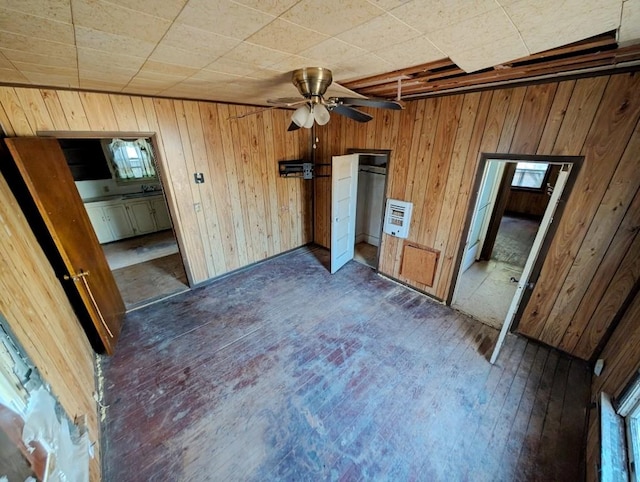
83	267
344	194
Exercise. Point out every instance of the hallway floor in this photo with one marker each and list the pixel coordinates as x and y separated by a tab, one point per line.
486	289
286	372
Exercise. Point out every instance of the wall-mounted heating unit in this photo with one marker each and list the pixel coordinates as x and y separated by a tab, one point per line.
397	217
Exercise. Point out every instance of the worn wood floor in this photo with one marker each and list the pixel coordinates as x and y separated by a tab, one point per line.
285	372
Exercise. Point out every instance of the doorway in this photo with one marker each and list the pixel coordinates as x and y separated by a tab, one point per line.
130	216
372	183
509	230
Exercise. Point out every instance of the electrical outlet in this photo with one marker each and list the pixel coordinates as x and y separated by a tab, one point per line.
197	207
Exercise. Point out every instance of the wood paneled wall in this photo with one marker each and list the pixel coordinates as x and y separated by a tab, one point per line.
621	361
436	145
243	213
40	316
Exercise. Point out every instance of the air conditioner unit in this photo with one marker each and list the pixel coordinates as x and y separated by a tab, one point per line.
397	217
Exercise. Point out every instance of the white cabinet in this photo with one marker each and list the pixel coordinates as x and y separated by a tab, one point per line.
160	213
141	217
100	223
122	218
119	221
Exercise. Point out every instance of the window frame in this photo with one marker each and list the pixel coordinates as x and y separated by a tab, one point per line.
543	183
112	163
628	407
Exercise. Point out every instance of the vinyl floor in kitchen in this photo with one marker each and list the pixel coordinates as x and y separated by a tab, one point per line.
285	372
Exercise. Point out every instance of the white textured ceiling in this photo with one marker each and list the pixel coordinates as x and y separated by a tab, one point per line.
242	50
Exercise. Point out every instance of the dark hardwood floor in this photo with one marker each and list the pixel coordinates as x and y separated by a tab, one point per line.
285	372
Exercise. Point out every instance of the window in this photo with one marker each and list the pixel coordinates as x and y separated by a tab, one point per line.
530	175
132	160
629	408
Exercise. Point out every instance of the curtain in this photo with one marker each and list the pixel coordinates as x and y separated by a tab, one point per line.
132	159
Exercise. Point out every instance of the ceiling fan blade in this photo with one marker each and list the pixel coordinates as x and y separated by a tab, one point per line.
377	103
293	127
351	113
287	101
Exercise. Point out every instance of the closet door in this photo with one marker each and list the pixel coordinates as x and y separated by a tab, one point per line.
344	195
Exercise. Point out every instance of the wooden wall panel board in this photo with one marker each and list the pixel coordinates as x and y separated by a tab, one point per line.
141	118
228	143
556	116
620	246
621	286
124	114
268	173
256	206
265	166
213	143
18	124
39	314
34	107
440	164
209	214
585	100
604	226
98	110
532	119
206	209
73	111
419	178
5	123
178	183
621	356
445	274
56	112
511	119
608	137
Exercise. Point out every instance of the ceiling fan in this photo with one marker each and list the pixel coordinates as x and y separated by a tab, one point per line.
312	83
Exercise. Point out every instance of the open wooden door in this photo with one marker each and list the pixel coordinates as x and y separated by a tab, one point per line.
344	194
83	268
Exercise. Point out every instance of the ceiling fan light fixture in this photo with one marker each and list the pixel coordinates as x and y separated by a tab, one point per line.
309	122
301	116
321	114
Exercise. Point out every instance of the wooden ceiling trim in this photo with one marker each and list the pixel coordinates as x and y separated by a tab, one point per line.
444	75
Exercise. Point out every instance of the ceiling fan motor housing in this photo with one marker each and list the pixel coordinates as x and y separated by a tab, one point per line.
312	81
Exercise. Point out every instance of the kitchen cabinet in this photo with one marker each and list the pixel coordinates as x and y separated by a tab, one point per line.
120	218
160	213
141	216
100	224
119	221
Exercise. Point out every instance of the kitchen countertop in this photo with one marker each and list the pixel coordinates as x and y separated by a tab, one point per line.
121	197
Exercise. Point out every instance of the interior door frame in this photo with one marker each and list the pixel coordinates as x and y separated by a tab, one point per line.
386	152
575	161
160	168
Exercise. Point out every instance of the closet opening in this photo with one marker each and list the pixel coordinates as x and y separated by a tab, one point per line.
372	184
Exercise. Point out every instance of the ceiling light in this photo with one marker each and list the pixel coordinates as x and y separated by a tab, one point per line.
302	115
321	114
